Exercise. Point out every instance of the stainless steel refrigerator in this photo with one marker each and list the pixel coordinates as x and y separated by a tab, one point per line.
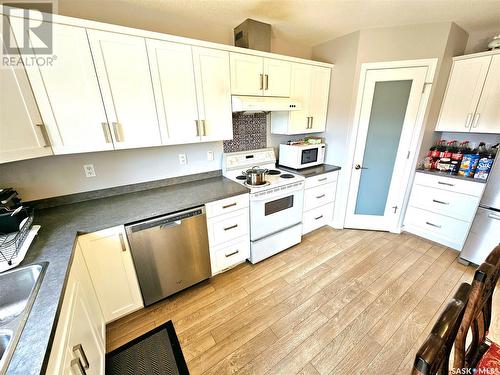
485	231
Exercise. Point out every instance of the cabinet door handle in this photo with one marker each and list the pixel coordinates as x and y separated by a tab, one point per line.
267	81
231	227
467	120
204	128
231	254
319	217
197	124
105	130
445	183
320	196
440	202
308	122
80	352
45	135
229	205
122	242
433	225
262	81
312	121
475	122
78	363
117	131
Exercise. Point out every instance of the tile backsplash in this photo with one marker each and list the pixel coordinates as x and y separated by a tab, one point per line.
249	132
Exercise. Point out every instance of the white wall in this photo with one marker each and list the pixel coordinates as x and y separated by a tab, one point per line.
60	175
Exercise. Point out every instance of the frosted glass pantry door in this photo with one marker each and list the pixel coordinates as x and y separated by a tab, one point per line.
389	110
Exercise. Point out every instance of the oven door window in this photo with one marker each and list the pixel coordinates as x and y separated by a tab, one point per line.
278	205
309	156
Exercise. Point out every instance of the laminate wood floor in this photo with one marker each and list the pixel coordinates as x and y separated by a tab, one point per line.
341	302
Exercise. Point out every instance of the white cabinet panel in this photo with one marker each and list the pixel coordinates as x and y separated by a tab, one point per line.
107	253
227	205
277	74
247	77
487	117
301	91
175	92
21	126
122	66
319	196
230	253
213	89
318	97
316	218
450	184
228	227
462	95
322	179
68	94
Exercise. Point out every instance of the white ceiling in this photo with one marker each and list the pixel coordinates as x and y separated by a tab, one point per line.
310	22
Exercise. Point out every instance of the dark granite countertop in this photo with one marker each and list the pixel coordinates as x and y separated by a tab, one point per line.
312	171
442	174
56	239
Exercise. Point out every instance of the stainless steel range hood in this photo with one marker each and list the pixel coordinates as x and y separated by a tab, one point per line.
255	104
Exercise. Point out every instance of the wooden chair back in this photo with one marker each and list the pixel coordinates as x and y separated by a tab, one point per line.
477	316
434	355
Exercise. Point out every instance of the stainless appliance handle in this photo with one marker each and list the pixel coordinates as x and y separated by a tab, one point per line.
45	135
165	220
494	216
122	242
79	350
105	130
78	363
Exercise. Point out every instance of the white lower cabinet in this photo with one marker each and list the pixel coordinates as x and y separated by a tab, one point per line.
111	268
79	341
319	198
442	209
228	223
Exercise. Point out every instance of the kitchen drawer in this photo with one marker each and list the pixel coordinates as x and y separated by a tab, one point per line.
439	228
227	227
319	196
322	179
230	254
317	217
227	205
450	184
456	205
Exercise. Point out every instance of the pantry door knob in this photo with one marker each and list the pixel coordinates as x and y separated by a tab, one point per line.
357	166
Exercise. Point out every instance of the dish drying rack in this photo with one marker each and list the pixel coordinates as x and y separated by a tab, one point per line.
14	246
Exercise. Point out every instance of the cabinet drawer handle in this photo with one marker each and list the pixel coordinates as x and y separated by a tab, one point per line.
433	225
122	242
78	350
445	183
231	254
440	202
320	196
231	227
45	135
493	216
262	81
78	363
322	179
319	217
229	205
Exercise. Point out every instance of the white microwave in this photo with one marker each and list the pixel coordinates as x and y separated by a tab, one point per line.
302	156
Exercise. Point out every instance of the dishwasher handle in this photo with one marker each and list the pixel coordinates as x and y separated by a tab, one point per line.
166	221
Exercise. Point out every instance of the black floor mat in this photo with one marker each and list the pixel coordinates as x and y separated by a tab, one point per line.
156	352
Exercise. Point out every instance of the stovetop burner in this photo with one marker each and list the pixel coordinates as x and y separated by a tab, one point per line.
241	177
273	172
287	175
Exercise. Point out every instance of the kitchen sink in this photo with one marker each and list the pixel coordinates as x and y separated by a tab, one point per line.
18	290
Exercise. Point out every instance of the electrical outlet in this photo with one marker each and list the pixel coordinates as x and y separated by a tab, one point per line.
210	155
182	159
89	170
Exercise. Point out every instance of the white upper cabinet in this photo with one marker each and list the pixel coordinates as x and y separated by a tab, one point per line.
122	66
213	90
258	76
67	93
463	93
175	92
22	130
310	85
487	117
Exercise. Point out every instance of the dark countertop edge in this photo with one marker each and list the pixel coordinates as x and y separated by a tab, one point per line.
46	355
441	174
313	171
118	190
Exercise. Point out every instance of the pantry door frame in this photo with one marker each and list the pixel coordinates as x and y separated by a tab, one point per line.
393	223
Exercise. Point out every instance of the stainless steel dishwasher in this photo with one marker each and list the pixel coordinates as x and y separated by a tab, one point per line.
170	253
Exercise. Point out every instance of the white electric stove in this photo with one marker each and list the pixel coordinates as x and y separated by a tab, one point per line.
275	207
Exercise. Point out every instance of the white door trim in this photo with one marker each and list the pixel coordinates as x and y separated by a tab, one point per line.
431	64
